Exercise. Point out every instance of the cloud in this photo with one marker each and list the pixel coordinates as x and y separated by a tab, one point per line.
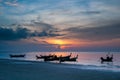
10	34
11	4
41	25
91	12
45	34
64	13
18	32
106	32
26	46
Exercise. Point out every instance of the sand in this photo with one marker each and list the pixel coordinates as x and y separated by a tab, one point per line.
31	70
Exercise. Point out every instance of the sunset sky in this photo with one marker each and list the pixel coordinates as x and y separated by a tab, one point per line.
59	25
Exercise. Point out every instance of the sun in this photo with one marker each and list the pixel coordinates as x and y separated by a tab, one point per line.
59	42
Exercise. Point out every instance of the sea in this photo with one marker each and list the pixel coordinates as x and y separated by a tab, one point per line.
86	60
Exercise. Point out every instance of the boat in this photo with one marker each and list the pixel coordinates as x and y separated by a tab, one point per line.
53	58
56	58
43	56
66	57
69	59
107	59
17	55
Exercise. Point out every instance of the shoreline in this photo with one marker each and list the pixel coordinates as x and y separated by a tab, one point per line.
35	70
105	68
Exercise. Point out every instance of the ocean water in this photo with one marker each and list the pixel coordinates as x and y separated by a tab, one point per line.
86	60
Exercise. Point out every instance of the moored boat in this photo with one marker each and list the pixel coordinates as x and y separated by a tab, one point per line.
17	55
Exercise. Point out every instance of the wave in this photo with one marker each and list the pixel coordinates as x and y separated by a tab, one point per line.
114	68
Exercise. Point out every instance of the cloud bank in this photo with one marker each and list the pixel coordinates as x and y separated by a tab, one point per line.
24	33
106	32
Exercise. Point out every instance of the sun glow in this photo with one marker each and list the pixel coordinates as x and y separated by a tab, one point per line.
61	43
57	41
64	43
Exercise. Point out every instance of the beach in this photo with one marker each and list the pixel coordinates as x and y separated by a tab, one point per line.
35	70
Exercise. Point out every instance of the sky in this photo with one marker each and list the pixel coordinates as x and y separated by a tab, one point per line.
59	25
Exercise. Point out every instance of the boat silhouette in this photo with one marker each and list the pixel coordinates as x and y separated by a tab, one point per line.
57	58
17	55
107	59
43	56
62	59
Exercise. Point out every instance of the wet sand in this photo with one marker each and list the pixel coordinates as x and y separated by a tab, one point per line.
32	70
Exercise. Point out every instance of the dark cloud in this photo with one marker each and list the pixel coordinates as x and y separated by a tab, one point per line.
46	34
10	34
44	29
91	12
34	29
95	33
23	33
43	25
